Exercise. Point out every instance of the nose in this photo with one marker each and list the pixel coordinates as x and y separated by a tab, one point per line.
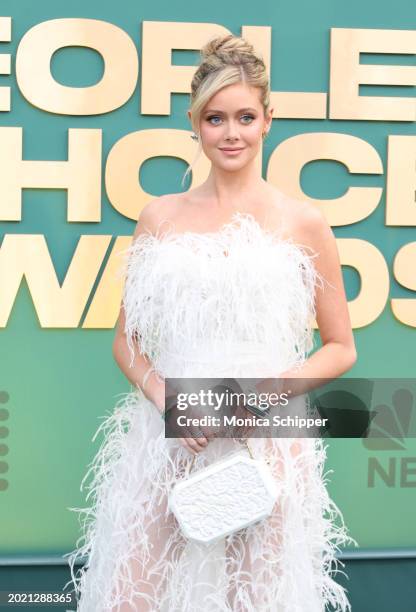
232	131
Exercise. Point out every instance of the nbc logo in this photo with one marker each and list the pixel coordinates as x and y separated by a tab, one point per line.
390	426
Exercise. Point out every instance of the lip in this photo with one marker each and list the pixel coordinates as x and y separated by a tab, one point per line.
231	151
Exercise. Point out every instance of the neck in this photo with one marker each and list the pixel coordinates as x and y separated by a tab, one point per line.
235	190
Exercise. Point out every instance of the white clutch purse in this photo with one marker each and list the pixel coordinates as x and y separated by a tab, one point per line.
224	497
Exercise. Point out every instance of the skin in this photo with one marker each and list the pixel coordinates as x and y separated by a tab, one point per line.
235	184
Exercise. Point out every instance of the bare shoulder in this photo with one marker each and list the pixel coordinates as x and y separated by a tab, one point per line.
292	217
314	231
155	213
309	225
312	219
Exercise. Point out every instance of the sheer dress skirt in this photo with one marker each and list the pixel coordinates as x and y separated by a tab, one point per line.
138	559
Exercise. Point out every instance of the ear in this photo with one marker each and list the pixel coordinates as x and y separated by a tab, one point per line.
189	114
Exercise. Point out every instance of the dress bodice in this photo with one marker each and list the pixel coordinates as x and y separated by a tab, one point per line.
237	302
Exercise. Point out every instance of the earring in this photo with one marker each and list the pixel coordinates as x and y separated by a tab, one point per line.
194	136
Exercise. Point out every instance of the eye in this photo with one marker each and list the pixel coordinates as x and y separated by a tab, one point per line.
248	117
213	117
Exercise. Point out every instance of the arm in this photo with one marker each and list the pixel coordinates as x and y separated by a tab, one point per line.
338	353
155	388
149	220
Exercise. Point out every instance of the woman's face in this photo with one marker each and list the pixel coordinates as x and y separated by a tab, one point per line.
233	119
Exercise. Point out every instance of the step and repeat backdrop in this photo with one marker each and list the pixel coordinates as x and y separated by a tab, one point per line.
93	125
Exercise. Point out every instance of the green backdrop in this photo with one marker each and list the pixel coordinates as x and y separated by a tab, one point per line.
56	384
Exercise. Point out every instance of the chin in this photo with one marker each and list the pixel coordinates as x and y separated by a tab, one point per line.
233	167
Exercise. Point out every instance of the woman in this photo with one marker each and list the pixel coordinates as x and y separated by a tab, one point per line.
219	283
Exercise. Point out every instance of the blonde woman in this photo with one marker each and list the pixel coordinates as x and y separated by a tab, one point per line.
221	280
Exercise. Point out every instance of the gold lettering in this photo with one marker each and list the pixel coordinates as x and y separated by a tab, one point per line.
130	152
347	74
105	305
160	77
56	306
374	276
404	265
401	181
80	175
288	159
38	86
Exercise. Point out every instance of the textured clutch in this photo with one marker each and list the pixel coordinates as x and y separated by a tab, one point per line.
224	497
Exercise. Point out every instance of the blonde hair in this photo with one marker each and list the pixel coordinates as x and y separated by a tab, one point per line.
225	60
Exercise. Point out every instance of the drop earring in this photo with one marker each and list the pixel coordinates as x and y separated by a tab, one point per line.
194	136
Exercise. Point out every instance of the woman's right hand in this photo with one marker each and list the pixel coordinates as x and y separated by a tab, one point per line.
194	439
193	443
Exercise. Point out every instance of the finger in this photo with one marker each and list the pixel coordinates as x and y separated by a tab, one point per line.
185	444
189	433
201	439
202	442
193	445
188	447
207	434
199	442
198	436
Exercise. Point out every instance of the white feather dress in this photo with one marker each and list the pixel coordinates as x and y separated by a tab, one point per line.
239	303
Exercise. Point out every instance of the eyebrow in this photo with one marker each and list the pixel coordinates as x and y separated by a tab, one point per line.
212	110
